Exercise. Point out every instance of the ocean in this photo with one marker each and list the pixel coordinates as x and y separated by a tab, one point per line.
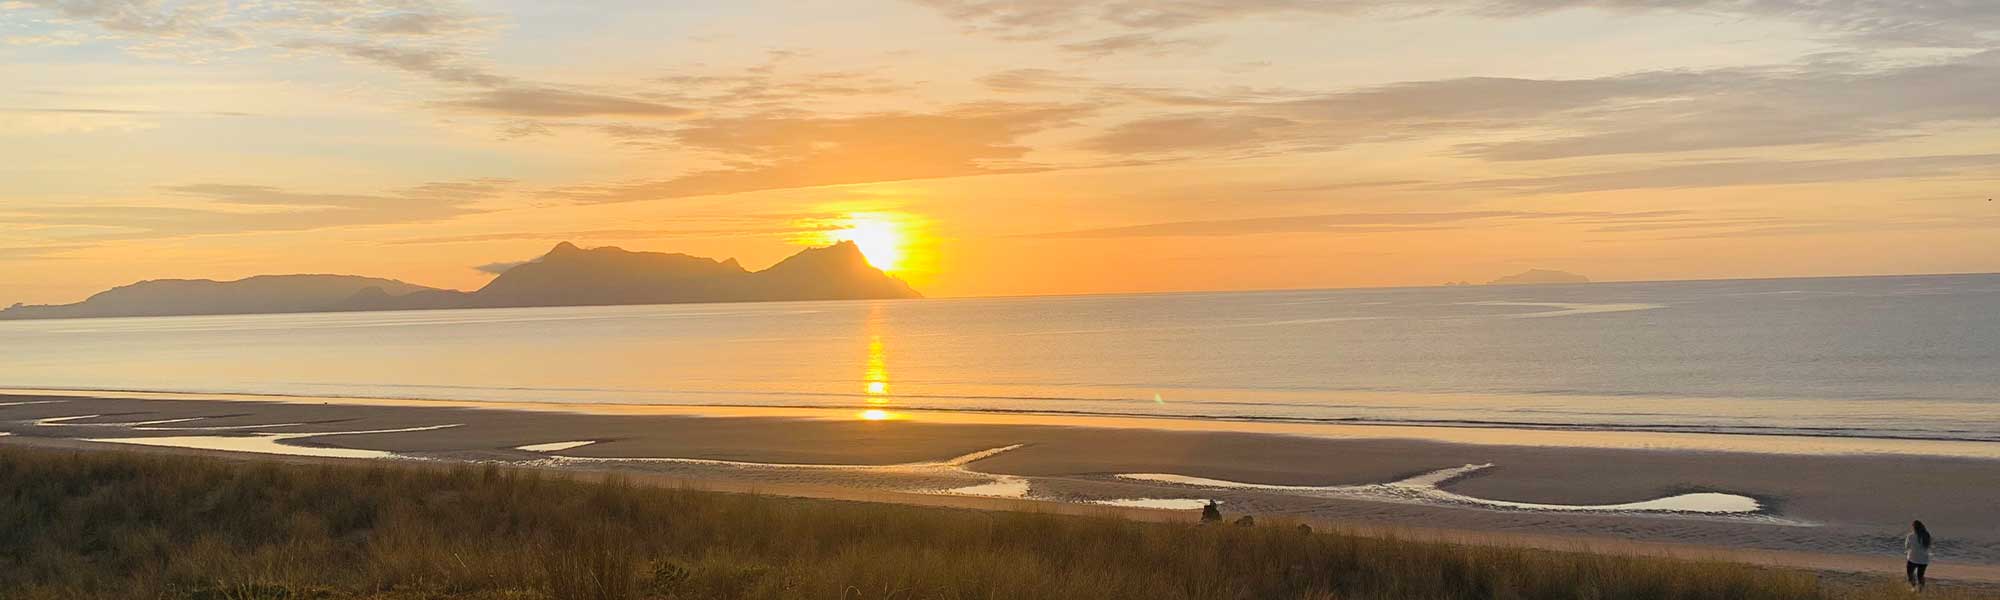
1914	357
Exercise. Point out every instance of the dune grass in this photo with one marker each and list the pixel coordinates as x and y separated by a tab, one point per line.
134	525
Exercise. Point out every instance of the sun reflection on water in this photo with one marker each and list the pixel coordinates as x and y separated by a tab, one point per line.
876	373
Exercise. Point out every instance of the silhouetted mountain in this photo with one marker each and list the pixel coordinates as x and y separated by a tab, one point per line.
1539	277
261	294
571	276
566	276
837	272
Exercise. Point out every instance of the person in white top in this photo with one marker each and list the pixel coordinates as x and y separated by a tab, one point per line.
1917	554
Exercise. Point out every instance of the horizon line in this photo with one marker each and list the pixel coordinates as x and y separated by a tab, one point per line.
1140	292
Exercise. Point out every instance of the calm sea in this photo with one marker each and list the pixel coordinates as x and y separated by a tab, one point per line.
1893	357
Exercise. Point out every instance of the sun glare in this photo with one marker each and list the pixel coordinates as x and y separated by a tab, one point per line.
880	237
875	414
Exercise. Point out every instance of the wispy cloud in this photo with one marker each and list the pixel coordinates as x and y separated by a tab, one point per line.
1196	133
558	103
783	151
1741	172
1137	43
117	111
772	226
47	252
221	208
1815	103
1349	185
1034	80
500	267
1782	227
1970	24
1650	112
1348	223
147	17
417	37
772	85
439	64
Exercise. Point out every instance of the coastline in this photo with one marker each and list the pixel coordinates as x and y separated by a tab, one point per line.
1588	438
1819	510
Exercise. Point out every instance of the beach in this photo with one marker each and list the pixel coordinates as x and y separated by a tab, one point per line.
1778	501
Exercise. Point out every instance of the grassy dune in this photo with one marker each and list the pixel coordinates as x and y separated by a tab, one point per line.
118	525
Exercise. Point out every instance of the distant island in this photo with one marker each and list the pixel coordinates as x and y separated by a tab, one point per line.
566	276
1539	277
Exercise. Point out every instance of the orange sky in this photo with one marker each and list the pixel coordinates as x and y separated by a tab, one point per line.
1000	146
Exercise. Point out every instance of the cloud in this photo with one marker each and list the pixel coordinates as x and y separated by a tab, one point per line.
1877	224
1969	24
1893	23
1028	19
1270	121
792	226
422	37
1141	43
1034	80
1747	108
1345	223
1026	81
444	66
410	36
117	111
1183	133
729	222
1044	19
151	18
500	267
1349	185
771	152
1680	224
202	27
417	24
221	208
1651	112
1740	172
556	103
770	86
1336	223
57	39
38	253
1485	99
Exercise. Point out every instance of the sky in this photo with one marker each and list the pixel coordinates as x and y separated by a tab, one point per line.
1000	147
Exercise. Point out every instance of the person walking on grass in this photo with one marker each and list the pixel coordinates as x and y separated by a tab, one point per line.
1917	554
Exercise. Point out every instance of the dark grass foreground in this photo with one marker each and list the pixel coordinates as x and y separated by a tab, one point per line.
118	525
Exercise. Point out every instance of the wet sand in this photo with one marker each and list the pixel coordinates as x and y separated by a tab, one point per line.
1830	511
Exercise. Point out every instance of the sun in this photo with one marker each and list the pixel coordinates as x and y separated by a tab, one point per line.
889	240
880	237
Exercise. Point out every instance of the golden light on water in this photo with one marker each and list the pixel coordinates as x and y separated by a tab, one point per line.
876	374
875	368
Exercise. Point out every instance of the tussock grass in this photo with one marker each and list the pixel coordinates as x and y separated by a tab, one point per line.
118	525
